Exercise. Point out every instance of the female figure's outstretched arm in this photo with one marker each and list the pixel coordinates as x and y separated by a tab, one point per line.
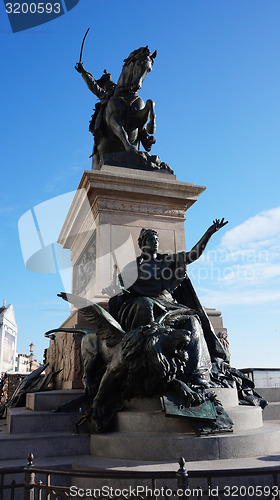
200	246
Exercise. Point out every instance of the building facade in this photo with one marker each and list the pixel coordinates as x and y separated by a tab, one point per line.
8	338
22	364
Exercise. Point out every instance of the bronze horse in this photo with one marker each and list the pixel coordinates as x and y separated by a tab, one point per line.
122	120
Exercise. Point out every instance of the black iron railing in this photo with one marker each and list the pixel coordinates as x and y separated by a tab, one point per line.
11	483
36	483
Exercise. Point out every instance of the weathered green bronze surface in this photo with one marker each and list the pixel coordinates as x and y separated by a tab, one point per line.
205	411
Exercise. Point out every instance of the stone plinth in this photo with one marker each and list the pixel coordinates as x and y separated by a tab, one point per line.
217	322
109	210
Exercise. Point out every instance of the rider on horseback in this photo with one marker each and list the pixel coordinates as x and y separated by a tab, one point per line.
120	120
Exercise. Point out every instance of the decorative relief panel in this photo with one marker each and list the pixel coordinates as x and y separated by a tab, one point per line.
84	270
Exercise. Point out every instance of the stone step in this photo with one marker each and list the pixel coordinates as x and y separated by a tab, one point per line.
271	394
21	420
272	411
48	444
152	421
92	462
226	395
244	417
56	462
263	440
49	400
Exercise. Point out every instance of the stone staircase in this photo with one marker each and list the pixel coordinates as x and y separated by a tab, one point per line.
272	395
142	433
38	430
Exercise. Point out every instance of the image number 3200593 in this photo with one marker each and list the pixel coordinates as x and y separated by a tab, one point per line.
26	14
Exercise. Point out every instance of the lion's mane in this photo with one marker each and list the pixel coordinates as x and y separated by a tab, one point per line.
148	365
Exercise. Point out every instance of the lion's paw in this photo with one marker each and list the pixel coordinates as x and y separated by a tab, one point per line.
97	411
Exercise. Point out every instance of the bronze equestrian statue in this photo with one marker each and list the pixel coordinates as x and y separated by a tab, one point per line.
122	121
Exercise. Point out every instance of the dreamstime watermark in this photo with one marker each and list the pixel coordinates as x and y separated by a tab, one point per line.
26	14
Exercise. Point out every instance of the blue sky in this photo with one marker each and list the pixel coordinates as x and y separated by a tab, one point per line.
215	83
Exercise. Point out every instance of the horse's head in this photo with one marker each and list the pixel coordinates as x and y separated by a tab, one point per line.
136	67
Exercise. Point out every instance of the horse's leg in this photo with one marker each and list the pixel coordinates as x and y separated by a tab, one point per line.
146	139
115	117
151	126
120	132
140	115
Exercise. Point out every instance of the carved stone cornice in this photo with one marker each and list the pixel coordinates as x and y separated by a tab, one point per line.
119	191
131	207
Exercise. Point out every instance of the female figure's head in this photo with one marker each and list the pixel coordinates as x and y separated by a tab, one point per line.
148	241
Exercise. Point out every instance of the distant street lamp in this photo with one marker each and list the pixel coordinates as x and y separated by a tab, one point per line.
31	355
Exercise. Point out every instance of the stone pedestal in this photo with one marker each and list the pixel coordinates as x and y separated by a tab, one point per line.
109	210
101	229
217	322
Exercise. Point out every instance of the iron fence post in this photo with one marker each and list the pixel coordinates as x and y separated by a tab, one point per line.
29	479
182	480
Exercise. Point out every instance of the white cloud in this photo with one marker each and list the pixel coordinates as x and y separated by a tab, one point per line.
247	297
245	267
256	273
257	229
